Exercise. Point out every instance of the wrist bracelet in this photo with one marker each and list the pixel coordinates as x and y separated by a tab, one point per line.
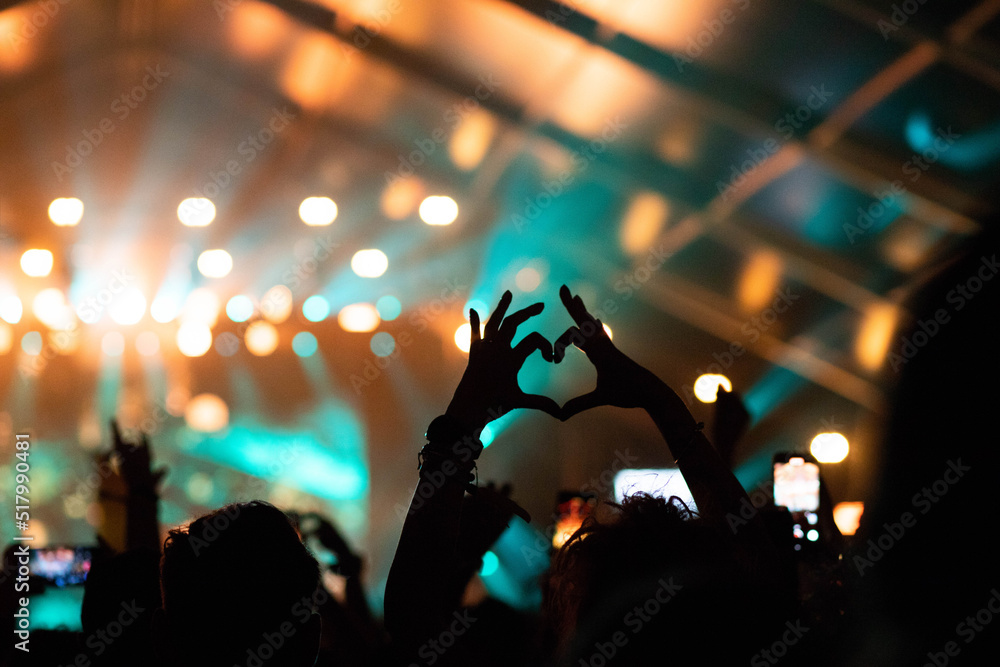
449	437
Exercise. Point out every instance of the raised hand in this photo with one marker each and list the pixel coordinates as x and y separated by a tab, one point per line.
731	422
134	462
621	382
489	388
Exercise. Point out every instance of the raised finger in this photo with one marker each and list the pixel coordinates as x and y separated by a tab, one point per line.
514	320
116	433
530	343
572	336
574	306
475	334
493	324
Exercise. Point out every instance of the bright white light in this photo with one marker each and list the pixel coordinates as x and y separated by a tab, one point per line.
276	305
164	309
215	263
52	309
66	211
194	339
438	210
128	307
206	413
829	447
318	211
202	306
261	338
706	387
463	335
369	263
812	535
528	279
36	263
196	212
607	330
11	309
359	317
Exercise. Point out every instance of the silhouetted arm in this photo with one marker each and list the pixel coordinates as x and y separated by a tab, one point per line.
421	589
623	383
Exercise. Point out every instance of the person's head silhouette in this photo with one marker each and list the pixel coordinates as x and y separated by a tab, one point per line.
238	589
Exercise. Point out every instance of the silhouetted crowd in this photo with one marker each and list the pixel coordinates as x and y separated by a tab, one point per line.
648	580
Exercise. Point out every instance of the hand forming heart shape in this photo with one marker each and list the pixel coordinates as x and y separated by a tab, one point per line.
489	387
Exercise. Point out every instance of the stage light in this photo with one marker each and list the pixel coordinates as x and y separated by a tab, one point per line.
276	306
215	263
812	535
528	279
643	222
177	400
358	317
304	344
760	280
317	211
316	308
113	344
147	343
463	335
706	386
400	197
36	263
239	308
11	309
607	330
164	309
388	307
486	436
471	139
31	343
194	339
6	338
202	306
196	212
369	263
829	447
206	413
438	210
875	335
261	338
847	516
200	488
490	564
66	211
128	307
382	344
52	310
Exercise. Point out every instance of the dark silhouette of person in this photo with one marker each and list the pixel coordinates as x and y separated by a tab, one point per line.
239	588
712	587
